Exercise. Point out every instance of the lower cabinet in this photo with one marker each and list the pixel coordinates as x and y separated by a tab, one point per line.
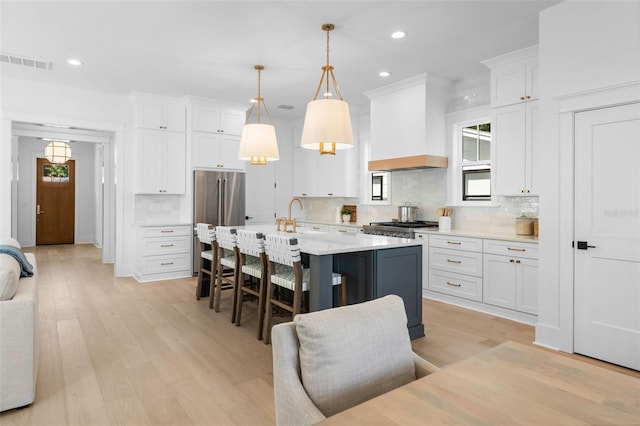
164	252
511	282
483	274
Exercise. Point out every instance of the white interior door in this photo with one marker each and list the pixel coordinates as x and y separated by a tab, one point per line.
260	194
607	221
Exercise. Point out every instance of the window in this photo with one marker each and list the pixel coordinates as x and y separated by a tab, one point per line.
55	173
379	186
475	143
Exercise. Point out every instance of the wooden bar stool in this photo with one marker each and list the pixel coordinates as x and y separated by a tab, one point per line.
227	258
253	261
285	270
208	255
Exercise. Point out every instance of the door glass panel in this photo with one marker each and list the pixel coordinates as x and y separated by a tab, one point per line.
57	173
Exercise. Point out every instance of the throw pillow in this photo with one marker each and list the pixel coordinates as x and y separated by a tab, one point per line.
351	354
9	276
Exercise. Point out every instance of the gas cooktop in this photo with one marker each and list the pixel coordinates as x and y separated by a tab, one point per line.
417	224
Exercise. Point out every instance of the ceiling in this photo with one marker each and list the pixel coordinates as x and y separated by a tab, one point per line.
209	48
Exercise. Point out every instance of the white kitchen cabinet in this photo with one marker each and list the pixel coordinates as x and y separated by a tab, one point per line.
316	175
160	114
514	77
215	117
164	252
514	121
408	118
342	229
215	151
511	281
161	162
515	137
455	266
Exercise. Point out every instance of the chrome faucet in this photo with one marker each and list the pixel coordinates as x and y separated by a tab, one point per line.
288	220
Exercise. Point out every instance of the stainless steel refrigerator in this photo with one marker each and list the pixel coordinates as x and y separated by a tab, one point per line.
218	199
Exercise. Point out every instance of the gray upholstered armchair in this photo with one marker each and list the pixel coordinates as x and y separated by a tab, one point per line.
325	362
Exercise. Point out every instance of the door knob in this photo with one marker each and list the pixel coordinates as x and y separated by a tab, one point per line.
584	245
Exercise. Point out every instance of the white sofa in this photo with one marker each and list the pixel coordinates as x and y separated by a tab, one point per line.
19	343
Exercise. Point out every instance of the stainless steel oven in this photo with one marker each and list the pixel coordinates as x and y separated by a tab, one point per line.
398	229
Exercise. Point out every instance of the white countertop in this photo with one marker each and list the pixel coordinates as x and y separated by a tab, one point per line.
321	243
481	234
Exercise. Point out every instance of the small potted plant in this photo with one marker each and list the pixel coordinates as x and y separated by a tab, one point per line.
346	215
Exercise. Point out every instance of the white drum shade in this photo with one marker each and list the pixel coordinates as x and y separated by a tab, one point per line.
258	143
327	121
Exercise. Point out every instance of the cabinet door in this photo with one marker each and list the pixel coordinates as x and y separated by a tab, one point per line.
532	78
508	162
533	163
232	121
150	115
499	281
172	171
148	158
527	285
337	174
229	148
175	117
305	172
205	151
205	118
508	85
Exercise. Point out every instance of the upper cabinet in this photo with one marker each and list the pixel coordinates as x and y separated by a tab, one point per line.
408	118
316	175
514	119
214	117
514	77
160	142
153	112
214	134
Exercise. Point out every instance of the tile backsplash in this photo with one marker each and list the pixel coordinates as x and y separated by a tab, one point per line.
426	189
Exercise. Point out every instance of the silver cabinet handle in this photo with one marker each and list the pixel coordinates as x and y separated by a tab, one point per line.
454	242
166	245
516	249
453	284
166	263
454	261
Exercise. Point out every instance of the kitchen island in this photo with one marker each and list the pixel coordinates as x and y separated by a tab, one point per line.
374	266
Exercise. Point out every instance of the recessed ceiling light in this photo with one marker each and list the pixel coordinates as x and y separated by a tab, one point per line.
398	34
74	62
384	73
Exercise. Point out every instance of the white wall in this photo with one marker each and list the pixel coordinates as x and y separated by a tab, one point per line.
85	200
37	102
585	47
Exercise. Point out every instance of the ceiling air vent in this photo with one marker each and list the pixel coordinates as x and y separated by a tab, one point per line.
285	107
27	62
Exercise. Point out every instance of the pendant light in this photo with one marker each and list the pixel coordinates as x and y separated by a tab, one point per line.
258	142
57	151
327	124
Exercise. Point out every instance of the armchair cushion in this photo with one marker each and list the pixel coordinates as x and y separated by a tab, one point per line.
354	353
9	276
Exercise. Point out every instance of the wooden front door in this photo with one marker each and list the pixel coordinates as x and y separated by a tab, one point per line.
607	233
55	202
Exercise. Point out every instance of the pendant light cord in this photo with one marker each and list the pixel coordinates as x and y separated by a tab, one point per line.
259	96
328	66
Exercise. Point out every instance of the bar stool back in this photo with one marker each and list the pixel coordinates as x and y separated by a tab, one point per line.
253	261
227	258
208	253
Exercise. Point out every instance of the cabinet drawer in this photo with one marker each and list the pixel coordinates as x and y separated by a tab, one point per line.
459	261
154	246
163	264
454	284
166	231
316	227
459	243
510	248
344	229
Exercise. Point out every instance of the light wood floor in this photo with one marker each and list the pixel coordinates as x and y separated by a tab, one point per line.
114	351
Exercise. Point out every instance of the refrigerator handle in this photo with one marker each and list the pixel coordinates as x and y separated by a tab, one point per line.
219	183
223	198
